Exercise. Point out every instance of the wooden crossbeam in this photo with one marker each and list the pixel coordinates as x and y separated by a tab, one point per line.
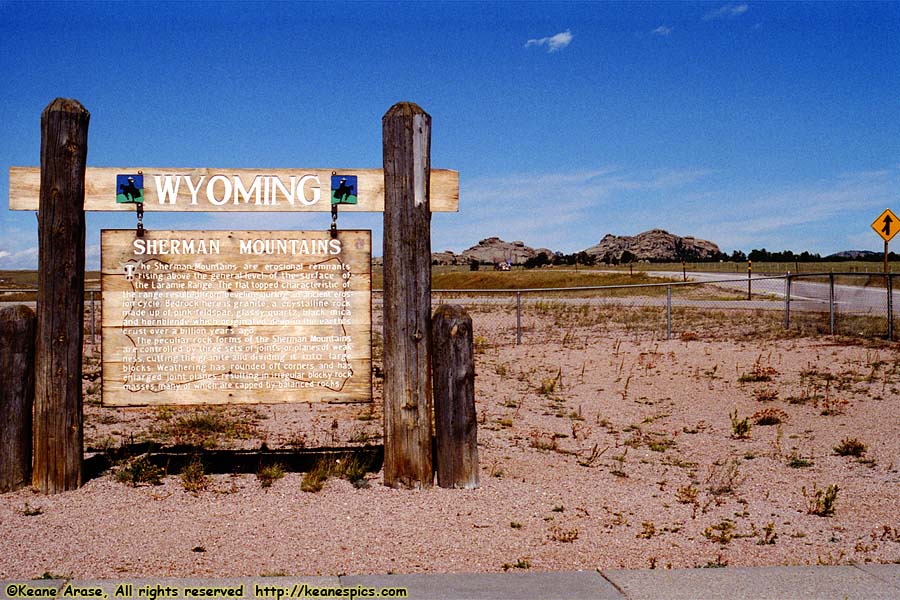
232	190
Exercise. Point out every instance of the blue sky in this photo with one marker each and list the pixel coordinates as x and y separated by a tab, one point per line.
751	124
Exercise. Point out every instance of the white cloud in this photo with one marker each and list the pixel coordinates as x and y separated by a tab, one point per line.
26	258
663	30
566	210
823	216
92	257
729	11
572	210
554	43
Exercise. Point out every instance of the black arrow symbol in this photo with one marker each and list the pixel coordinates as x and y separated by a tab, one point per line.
886	230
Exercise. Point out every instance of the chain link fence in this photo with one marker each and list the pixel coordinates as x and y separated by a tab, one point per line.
661	311
847	304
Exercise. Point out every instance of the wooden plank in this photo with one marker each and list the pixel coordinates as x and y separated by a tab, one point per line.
407	298
100	189
175	458
58	420
214	317
17	326
455	421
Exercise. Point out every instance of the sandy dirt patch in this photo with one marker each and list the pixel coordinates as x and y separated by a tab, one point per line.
604	449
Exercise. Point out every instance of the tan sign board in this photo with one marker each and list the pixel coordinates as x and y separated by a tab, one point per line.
215	317
220	190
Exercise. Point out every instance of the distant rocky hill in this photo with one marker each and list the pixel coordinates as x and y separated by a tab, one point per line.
655	245
855	254
490	250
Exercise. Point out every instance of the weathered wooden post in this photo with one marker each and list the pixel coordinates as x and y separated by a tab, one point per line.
455	421
16	395
58	445
406	131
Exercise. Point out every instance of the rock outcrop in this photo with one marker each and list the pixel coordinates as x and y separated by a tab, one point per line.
655	245
490	250
446	258
854	255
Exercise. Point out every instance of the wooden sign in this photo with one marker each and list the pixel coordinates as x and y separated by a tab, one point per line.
214	317
218	190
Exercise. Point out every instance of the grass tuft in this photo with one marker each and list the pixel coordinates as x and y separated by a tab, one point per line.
138	471
269	474
740	428
194	478
850	447
822	502
348	466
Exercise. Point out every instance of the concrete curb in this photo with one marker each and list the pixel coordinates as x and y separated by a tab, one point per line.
873	582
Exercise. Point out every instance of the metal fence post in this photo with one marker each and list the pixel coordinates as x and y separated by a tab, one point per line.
831	302
93	341
518	318
890	306
787	301
668	312
749	279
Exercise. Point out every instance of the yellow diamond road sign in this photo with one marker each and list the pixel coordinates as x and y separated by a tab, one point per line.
886	225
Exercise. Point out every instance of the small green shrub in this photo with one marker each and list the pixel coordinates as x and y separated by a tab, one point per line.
565	536
740	428
140	470
659	442
795	461
687	494
769	535
269	474
522	563
721	533
822	502
648	530
850	447
193	477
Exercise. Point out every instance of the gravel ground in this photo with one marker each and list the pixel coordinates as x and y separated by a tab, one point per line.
611	450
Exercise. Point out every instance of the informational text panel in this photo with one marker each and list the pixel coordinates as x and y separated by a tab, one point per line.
218	317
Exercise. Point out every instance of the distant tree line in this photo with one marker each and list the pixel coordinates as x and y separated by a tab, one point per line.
588	260
762	255
789	256
558	258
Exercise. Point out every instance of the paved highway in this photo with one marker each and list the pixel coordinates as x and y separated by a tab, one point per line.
810	293
807	293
